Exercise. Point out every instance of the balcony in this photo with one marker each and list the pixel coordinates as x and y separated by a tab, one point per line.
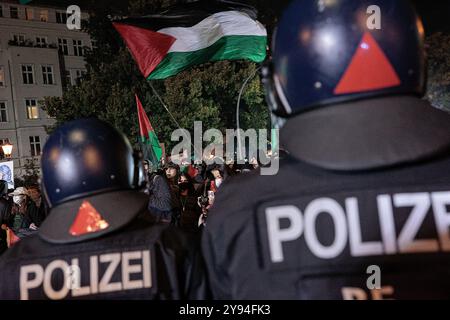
30	44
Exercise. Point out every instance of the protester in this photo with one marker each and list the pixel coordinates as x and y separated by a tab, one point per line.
25	217
254	163
39	210
147	170
230	168
172	171
190	210
158	190
217	172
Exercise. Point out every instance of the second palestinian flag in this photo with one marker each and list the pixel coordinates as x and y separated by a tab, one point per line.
164	45
150	143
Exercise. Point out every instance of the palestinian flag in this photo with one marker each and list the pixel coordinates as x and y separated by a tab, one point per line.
164	45
151	148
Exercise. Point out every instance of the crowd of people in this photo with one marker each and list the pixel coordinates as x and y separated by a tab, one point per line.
22	211
179	195
182	195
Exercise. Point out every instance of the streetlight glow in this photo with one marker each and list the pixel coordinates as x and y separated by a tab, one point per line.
7	149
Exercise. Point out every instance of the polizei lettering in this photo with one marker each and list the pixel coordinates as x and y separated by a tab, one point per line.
132	270
396	235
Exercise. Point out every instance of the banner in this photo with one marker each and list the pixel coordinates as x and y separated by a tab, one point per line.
7	173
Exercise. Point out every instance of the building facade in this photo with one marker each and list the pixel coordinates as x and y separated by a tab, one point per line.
39	57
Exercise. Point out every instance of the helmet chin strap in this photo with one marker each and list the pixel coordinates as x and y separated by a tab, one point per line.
45	194
272	97
139	172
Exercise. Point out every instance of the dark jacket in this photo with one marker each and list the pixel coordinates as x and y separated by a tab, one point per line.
3	243
5	208
37	214
308	233
141	261
159	194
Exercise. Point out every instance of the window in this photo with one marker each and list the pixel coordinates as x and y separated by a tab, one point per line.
35	146
78	74
63	47
32	109
1	11
2	76
43	15
78	48
19	39
61	17
68	78
27	74
47	74
3	112
41	42
28	13
14	12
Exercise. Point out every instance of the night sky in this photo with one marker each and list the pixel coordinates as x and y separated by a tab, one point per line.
435	13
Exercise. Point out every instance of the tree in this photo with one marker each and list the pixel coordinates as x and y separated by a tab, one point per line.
31	176
206	93
438	52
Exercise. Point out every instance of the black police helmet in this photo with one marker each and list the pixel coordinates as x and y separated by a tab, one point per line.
86	157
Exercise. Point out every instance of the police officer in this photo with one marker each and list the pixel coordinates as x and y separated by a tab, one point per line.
360	209
98	240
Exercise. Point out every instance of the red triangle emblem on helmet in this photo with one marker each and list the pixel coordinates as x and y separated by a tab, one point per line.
88	220
369	69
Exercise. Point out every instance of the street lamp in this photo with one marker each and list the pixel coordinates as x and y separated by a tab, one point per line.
7	150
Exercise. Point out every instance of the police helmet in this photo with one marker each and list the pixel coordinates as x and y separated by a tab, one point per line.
348	75
89	168
330	51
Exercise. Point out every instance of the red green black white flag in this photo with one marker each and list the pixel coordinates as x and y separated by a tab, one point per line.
164	45
150	144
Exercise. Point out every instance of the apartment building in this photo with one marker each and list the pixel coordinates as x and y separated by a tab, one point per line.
39	57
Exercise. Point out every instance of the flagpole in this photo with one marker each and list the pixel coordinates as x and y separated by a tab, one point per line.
238	107
171	115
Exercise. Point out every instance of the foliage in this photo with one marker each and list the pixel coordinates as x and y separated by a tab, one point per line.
438	51
206	93
31	176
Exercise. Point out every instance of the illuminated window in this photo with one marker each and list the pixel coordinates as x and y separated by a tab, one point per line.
43	15
28	13
32	109
2	77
